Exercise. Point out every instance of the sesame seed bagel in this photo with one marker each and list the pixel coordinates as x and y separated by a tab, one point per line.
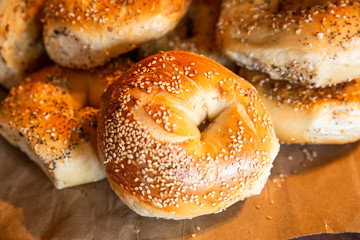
47	117
161	158
305	114
85	33
312	42
20	39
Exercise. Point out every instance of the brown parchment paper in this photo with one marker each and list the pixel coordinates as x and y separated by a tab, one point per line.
312	189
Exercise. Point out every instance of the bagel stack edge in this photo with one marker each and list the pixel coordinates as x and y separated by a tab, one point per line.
303	57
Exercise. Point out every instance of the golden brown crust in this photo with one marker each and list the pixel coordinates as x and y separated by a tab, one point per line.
156	158
85	34
43	117
20	39
313	42
102	77
306	114
47	118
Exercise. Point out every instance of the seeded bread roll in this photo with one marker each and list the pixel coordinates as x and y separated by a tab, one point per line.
305	114
85	33
182	136
20	39
312	42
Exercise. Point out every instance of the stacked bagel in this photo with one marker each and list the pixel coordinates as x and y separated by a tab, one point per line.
177	135
303	57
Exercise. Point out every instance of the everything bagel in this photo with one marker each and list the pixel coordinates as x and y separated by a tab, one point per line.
312	42
51	117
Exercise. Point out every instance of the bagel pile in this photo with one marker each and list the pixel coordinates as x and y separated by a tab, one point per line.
304	58
177	134
52	114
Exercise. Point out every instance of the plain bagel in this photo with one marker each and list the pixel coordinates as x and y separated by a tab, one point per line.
312	42
159	157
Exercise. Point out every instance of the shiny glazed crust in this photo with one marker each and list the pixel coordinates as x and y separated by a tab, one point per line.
305	114
85	34
313	42
156	158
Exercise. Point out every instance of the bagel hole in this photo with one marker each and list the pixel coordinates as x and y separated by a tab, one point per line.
214	108
203	125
